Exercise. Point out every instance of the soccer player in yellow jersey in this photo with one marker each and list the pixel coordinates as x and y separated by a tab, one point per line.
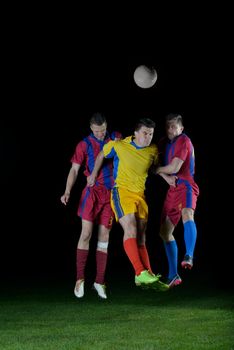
133	157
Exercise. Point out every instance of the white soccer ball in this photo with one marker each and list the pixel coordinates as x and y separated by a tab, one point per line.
145	77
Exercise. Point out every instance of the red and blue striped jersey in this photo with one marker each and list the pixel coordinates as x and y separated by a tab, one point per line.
180	147
86	153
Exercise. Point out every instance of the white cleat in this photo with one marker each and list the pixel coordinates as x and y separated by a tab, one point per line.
79	289
101	290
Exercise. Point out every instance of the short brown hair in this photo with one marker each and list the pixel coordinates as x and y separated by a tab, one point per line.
148	123
176	116
97	119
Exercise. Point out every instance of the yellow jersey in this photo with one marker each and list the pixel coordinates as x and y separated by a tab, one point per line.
131	163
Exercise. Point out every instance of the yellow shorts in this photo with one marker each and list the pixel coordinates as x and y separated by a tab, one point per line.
124	202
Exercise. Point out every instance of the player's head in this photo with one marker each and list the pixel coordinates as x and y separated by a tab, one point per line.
174	125
98	125
144	132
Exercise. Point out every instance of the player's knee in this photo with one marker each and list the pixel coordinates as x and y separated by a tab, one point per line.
85	236
187	214
103	236
165	236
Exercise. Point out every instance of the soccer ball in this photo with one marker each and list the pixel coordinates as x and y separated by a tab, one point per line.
145	77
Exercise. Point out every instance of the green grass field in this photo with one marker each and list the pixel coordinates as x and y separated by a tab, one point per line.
191	316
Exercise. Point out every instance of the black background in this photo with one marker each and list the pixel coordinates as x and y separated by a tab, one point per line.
55	80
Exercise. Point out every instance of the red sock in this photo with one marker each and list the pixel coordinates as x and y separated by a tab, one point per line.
81	258
131	249
144	257
101	260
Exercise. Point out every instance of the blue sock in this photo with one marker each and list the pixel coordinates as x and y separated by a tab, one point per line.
172	257
190	236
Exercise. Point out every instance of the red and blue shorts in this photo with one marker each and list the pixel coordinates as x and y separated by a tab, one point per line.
95	206
184	195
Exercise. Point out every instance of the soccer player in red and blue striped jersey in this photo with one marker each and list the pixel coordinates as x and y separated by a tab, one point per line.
94	206
179	160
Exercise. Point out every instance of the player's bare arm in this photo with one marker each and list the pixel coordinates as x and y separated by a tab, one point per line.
171	168
71	179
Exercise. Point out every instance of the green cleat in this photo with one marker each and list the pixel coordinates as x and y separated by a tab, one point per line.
160	286
145	278
157	285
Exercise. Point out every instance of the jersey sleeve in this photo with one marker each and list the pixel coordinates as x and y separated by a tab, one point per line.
80	153
155	155
109	149
181	151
